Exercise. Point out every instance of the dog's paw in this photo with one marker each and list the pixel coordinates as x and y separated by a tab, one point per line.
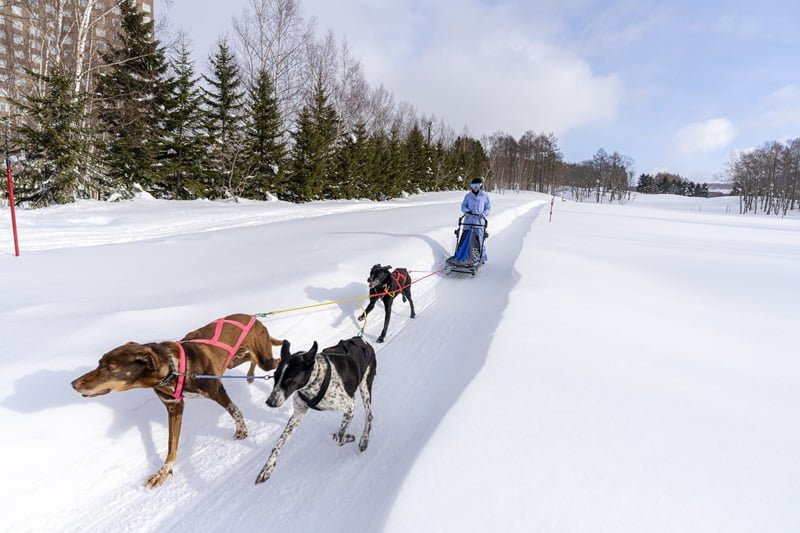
413	315
158	479
362	444
250	381
380	339
240	433
341	440
361	317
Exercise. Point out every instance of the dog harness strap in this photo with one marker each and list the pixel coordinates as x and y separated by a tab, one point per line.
326	381
214	341
400	282
178	394
245	330
400	279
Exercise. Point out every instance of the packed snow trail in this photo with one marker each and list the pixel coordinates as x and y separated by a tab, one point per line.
160	288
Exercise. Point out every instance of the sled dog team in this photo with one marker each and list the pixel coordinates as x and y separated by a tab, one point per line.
324	380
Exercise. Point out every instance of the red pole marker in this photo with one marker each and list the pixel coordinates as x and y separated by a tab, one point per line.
10	179
553	199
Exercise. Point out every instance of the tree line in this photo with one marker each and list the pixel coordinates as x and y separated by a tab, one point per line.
767	179
666	183
279	114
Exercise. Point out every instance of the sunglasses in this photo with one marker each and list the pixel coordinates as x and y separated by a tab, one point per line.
475	185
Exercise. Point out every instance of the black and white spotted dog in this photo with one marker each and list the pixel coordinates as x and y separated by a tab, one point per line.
325	381
384	285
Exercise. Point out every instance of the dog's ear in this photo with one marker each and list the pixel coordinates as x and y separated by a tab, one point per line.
285	351
310	354
149	357
388	267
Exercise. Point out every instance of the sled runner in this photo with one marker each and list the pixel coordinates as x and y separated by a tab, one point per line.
469	247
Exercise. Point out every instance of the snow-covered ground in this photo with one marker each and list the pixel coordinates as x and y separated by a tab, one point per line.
621	368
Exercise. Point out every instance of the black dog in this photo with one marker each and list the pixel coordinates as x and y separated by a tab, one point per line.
326	382
384	285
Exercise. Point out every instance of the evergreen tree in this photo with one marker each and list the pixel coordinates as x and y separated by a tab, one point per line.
470	161
227	166
646	184
313	162
375	167
417	160
352	163
132	95
184	148
266	150
57	149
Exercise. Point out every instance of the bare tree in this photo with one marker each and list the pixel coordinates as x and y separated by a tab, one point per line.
766	179
351	91
273	36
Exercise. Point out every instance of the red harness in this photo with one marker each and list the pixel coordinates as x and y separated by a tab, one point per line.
214	341
400	280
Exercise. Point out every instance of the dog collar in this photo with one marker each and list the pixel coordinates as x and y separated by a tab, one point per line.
326	381
172	371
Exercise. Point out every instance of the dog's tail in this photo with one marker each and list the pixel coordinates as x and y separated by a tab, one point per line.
373	363
264	356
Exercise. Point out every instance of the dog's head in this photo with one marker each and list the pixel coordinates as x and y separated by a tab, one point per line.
292	374
126	367
379	276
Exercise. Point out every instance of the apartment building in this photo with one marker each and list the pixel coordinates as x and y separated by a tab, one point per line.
35	35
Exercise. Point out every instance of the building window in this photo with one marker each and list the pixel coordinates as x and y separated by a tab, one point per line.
146	8
100	32
2	63
146	19
17	24
18	39
19	54
17	10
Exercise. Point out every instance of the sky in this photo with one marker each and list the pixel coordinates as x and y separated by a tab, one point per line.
607	370
678	86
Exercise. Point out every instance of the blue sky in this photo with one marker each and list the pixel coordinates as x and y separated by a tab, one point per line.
678	86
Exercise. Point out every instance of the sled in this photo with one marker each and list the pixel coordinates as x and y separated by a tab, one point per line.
469	247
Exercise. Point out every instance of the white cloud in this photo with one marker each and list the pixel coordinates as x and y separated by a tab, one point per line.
706	136
478	65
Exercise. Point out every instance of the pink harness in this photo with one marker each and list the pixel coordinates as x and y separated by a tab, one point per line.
214	341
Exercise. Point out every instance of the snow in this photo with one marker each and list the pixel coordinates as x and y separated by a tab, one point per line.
621	368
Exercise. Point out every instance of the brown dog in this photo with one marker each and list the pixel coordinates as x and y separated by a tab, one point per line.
168	369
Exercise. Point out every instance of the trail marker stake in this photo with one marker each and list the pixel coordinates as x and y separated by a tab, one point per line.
10	179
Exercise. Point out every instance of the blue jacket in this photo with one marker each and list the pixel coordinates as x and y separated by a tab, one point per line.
477	203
